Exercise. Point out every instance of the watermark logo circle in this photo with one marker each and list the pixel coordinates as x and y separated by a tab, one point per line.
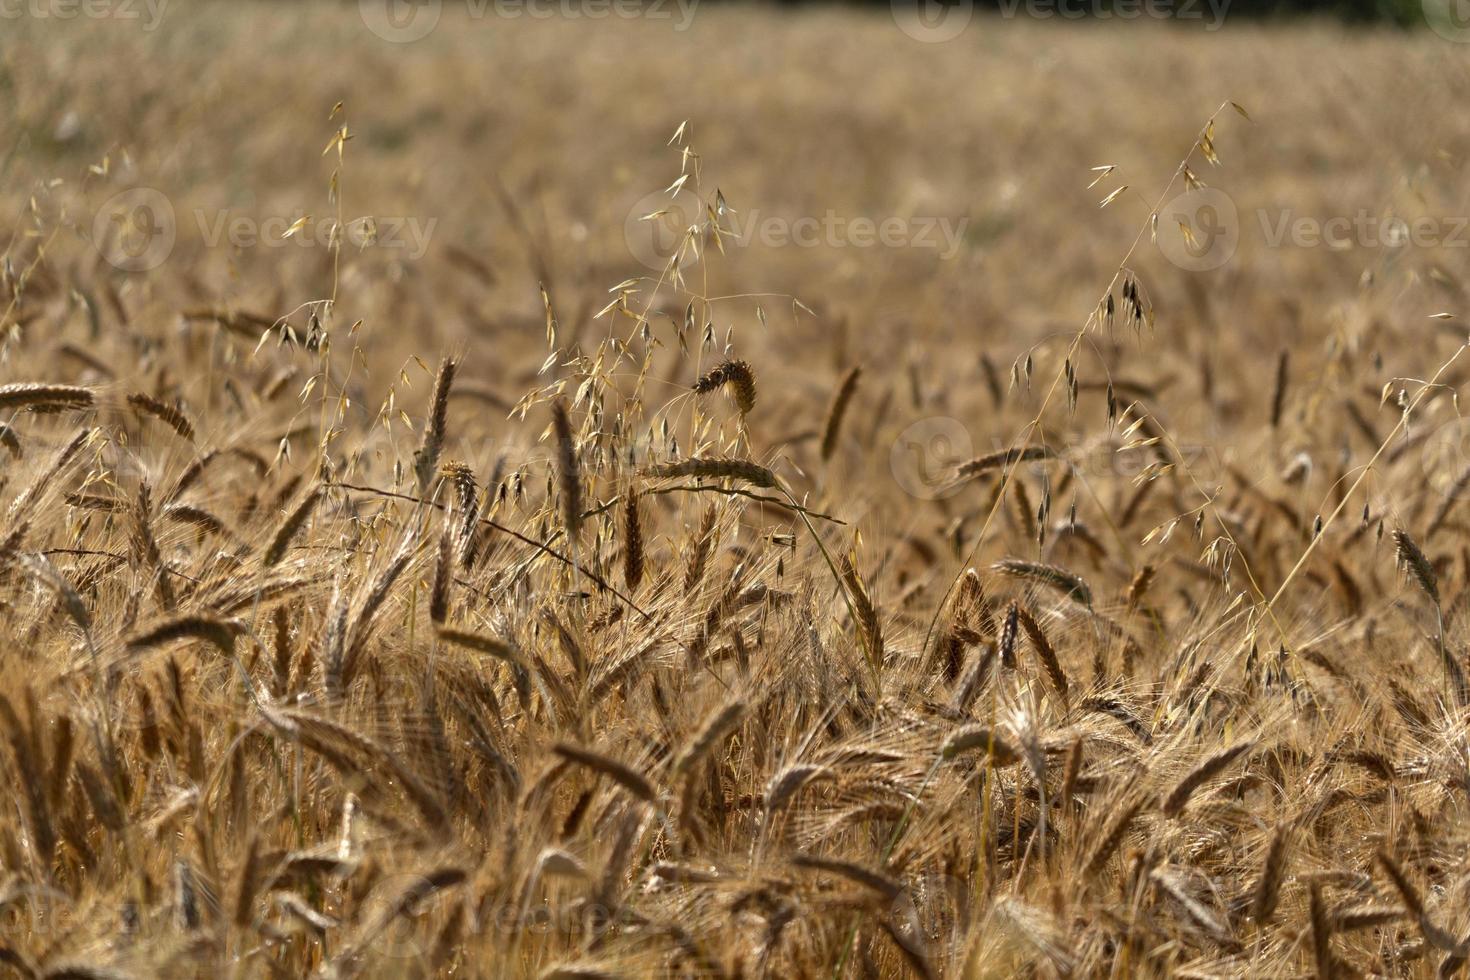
1450	19
924	456
1445	456
400	21
135	230
657	229
393	902
932	21
1199	230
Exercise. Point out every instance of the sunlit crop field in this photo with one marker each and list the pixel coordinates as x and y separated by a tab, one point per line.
730	491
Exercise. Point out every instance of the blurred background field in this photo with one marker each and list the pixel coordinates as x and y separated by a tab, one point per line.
526	144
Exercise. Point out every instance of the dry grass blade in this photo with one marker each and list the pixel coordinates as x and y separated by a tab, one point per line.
170	415
703	742
620	773
11	442
788	782
740	379
426	459
868	622
41	397
1178	798
1112	836
838	410
281	541
886	887
1321	933
1419	568
632	541
1273	872
350	752
443	581
972	737
1052	576
1045	652
216	630
482	643
981	465
704	540
718	468
567	471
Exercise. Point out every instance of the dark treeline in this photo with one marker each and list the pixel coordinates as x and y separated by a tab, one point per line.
1406	13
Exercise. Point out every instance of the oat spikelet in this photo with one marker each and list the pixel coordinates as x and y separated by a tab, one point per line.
740	378
566	468
170	415
41	397
838	411
718	468
632	541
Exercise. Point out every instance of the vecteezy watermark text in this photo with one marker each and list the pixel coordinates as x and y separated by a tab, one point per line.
659	229
409	235
933	21
136	230
147	12
1200	229
405	21
1363	230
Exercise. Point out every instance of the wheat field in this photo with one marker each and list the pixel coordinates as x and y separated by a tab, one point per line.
756	497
